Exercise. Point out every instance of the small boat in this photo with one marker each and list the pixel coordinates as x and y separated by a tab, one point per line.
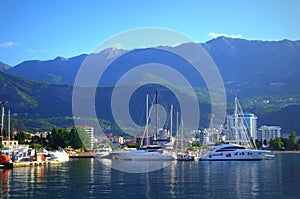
61	156
103	151
235	152
185	157
22	154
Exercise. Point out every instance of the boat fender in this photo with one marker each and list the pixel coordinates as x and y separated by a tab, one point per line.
4	158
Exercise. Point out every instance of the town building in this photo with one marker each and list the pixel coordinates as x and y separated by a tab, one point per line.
9	143
266	133
250	122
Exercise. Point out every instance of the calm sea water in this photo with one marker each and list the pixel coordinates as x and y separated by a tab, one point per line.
88	178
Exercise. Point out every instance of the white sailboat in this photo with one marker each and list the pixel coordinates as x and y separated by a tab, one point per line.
241	148
148	152
180	154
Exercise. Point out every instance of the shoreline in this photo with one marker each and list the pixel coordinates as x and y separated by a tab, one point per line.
285	151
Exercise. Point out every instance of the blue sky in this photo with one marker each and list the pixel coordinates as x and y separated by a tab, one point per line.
35	29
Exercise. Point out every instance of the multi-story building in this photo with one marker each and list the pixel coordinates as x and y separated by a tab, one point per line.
266	133
249	120
90	131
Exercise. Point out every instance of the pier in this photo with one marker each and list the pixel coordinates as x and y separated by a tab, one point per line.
11	165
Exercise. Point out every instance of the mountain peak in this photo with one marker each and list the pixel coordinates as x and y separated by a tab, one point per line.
4	66
60	58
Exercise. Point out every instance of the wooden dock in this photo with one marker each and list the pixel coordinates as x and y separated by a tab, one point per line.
10	165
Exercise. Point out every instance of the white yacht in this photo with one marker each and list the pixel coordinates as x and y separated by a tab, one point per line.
149	152
235	152
246	151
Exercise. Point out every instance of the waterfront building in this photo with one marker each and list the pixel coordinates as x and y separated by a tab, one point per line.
115	139
266	133
9	143
250	122
90	131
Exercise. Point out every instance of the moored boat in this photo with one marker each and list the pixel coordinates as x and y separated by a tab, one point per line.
242	147
103	151
150	152
235	152
61	156
185	157
147	152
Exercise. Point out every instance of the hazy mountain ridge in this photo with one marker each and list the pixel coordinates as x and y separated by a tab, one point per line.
265	67
248	68
59	70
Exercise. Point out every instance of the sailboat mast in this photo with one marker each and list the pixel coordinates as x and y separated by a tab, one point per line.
8	129
177	136
171	120
181	143
156	103
147	121
235	119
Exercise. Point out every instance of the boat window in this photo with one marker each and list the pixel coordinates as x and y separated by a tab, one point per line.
220	150
231	148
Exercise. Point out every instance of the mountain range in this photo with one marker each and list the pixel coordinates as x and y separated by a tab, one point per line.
251	69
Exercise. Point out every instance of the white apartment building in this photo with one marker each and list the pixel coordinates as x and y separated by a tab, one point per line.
268	132
250	121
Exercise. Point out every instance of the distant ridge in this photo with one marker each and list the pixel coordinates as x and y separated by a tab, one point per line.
4	67
261	66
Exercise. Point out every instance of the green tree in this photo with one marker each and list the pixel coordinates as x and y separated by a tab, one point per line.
79	138
23	137
276	143
36	146
293	140
286	143
58	138
196	144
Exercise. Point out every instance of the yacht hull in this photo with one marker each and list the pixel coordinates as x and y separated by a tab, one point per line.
235	153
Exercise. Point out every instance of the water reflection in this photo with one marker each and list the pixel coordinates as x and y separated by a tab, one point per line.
4	186
134	166
88	178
